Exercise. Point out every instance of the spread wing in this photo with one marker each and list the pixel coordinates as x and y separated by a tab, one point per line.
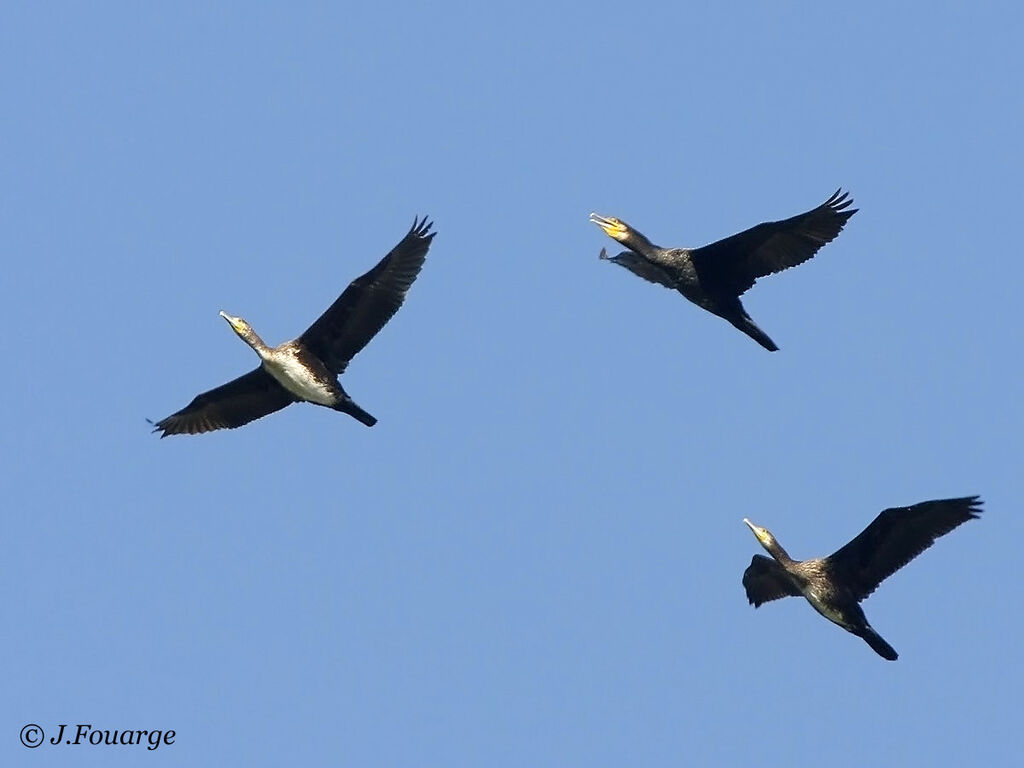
369	302
766	580
640	267
733	264
896	537
230	405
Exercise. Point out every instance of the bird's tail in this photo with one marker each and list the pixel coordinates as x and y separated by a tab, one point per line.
744	323
878	645
353	410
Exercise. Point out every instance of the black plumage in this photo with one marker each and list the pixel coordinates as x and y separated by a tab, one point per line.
835	585
715	276
307	368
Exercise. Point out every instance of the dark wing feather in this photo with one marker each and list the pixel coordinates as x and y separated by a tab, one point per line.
640	267
733	264
369	302
896	537
766	580
230	405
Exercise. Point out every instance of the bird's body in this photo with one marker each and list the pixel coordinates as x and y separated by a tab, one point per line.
715	276
304	375
306	369
835	585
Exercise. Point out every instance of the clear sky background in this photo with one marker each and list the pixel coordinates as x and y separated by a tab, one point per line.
534	559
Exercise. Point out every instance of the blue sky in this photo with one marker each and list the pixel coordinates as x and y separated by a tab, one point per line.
534	558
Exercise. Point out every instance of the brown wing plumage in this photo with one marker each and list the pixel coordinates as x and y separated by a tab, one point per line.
896	537
230	405
733	264
369	302
766	580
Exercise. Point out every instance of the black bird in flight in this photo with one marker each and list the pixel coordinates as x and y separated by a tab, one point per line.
715	276
307	368
835	585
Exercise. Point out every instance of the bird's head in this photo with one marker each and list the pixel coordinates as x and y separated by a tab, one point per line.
763	535
614	228
238	325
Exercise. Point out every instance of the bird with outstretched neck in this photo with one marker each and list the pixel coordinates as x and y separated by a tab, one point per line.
715	276
306	369
835	585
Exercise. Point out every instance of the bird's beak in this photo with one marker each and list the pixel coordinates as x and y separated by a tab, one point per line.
614	228
232	321
758	531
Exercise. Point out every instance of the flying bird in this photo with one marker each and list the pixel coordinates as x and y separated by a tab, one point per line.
715	276
306	369
835	585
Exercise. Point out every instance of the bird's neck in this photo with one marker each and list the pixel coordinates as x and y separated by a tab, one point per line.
640	244
782	556
256	343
